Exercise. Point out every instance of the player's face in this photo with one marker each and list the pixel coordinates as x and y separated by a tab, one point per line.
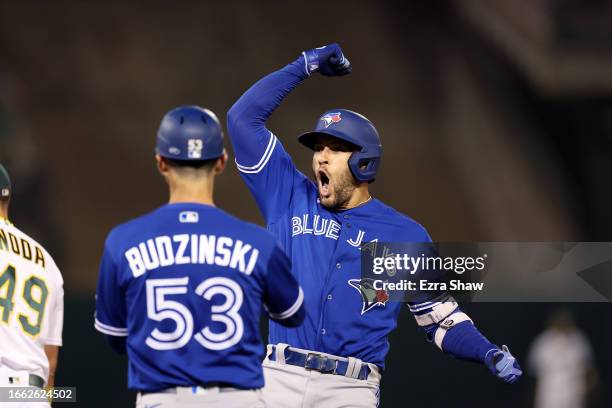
331	172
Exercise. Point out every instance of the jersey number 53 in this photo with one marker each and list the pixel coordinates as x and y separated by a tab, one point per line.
160	308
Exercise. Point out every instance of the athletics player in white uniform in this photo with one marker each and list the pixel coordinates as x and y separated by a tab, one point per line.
31	307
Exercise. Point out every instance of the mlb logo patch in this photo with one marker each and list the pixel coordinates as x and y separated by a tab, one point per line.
189	217
4	192
332	117
194	148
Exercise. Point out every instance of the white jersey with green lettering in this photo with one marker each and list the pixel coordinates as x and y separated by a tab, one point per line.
31	302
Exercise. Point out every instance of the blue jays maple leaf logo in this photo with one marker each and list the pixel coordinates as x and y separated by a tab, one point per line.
332	117
370	296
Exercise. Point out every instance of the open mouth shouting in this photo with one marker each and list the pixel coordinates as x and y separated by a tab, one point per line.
323	181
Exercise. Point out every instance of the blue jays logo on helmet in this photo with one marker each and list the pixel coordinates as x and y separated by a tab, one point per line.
357	130
370	296
331	117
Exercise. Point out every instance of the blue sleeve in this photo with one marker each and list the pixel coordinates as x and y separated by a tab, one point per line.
420	302
264	164
110	316
283	297
463	341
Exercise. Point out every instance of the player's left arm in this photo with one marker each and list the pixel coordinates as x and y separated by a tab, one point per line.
52	353
51	333
454	332
283	296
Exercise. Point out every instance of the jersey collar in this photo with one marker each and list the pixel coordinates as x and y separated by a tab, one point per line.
360	209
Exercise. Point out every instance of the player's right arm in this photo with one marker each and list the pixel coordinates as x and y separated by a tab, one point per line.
266	167
111	314
283	296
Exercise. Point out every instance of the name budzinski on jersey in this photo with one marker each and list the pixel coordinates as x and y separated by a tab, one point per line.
191	249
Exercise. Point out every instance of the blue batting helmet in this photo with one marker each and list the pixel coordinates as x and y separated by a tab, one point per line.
355	129
5	184
190	133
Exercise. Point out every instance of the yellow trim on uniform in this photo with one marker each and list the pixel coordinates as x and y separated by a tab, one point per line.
41	314
8	320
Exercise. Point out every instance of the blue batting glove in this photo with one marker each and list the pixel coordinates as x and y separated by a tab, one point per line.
328	60
503	365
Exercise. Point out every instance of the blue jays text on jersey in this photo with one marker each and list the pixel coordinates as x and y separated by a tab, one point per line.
345	316
186	284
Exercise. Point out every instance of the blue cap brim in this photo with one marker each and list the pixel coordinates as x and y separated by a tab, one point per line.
309	139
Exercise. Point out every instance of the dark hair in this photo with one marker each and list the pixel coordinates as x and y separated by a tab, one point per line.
196	164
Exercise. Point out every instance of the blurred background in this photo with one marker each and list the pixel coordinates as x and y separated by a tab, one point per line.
495	117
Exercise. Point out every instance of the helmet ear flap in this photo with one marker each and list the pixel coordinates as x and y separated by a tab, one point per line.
364	166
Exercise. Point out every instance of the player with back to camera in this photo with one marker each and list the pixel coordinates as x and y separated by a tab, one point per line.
336	357
31	307
182	288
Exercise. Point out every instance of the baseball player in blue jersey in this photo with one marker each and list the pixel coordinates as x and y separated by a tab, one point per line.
181	289
341	345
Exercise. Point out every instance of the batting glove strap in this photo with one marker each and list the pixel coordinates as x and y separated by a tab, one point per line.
311	61
328	60
503	365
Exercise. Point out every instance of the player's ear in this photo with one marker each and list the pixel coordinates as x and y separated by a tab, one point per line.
162	166
4	206
220	164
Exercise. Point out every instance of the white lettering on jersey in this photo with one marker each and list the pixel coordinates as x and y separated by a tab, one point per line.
135	261
325	227
296	226
164	250
149	262
223	251
306	230
183	240
357	242
191	249
334	230
207	249
320	226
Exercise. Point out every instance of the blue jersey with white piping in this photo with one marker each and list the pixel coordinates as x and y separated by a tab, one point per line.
342	317
187	284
